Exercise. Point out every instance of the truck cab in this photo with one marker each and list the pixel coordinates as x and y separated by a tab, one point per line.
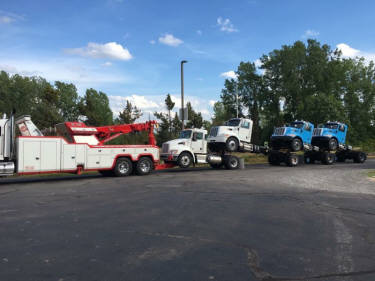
234	134
331	135
189	148
295	136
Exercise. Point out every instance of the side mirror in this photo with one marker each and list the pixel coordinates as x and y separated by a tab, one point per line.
194	137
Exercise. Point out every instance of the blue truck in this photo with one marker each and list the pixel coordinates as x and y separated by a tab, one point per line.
329	141
287	141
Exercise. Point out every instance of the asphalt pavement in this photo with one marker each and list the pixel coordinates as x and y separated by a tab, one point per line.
311	222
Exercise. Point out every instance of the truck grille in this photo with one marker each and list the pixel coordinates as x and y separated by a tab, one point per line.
317	132
213	132
279	131
165	148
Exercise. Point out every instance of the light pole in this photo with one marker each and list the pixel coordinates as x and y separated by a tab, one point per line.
182	93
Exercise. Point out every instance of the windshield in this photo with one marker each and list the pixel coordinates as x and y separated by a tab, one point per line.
298	125
233	122
185	134
330	126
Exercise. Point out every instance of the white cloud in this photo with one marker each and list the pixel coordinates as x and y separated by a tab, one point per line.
107	63
349	52
226	25
229	74
7	18
110	50
258	63
199	32
151	103
170	40
152	42
212	102
310	33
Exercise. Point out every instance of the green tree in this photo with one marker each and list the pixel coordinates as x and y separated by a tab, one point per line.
195	119
129	114
170	105
68	101
95	106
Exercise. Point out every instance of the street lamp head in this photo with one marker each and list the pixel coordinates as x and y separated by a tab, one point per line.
184	61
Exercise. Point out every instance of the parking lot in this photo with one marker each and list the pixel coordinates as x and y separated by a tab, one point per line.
312	222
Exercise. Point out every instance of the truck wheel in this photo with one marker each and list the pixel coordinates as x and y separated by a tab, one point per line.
292	160
359	157
144	166
328	158
232	144
184	160
296	144
123	167
231	162
332	144
273	159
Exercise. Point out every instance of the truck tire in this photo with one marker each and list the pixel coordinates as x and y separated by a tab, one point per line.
296	145
328	158
185	160
292	160
231	162
332	144
144	166
359	157
231	144
123	167
274	159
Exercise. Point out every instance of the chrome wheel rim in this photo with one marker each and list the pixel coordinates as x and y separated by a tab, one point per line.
123	167
232	144
233	162
185	160
294	160
145	166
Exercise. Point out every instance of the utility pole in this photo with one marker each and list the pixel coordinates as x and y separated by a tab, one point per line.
237	99
182	94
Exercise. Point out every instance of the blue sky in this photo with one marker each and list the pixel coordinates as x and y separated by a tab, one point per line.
131	49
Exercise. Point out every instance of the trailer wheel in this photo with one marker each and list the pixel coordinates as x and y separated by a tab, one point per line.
332	144
184	160
231	144
296	144
292	160
231	162
359	157
328	158
144	166
274	159
123	167
309	159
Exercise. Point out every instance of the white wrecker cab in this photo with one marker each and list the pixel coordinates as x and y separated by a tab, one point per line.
189	148
234	135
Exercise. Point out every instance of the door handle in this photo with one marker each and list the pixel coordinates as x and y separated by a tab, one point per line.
73	157
36	158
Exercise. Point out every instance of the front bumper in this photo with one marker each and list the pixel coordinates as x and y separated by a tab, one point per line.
320	141
278	142
166	157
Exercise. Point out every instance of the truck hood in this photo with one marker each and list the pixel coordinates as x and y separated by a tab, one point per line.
175	144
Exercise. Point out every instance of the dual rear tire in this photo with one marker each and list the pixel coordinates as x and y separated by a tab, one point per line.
125	167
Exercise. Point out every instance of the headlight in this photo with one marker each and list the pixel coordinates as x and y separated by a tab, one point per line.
291	135
173	151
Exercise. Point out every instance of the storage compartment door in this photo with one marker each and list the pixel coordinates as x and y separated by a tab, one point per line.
69	157
49	158
31	156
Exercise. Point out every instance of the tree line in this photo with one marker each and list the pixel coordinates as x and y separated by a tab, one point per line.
303	81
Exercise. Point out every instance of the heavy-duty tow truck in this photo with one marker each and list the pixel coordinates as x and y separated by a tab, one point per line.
76	148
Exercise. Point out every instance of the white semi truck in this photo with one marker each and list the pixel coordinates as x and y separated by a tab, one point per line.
76	148
195	146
